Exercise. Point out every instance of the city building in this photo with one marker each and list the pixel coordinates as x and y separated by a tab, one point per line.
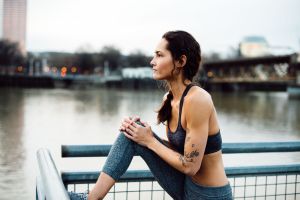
139	73
13	21
254	46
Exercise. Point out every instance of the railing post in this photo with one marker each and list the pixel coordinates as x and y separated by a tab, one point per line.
40	192
49	182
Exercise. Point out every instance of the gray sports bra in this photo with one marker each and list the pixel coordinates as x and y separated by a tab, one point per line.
177	138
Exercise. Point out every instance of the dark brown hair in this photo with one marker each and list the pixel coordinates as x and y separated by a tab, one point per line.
180	43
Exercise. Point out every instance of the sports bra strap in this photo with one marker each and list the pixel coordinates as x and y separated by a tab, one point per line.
188	87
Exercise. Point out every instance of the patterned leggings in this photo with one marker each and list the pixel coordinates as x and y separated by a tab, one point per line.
176	184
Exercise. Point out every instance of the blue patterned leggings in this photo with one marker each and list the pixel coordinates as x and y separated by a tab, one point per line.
176	184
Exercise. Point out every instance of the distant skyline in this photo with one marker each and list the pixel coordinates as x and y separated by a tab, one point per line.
13	21
130	25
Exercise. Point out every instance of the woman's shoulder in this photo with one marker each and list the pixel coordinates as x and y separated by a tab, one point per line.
197	96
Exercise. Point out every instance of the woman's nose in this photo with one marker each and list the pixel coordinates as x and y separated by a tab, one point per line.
152	62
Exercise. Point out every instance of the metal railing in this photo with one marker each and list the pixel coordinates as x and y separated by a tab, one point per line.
49	183
248	182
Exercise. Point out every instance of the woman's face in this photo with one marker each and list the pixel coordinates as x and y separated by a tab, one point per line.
162	62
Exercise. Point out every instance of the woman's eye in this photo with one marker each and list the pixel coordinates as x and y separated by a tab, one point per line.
158	54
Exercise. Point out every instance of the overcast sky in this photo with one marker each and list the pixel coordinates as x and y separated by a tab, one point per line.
130	25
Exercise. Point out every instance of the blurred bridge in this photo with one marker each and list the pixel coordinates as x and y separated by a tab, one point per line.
270	73
262	73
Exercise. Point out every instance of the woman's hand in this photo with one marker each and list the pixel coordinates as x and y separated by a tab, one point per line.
141	134
127	119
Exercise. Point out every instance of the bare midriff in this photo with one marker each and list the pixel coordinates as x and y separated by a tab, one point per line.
211	172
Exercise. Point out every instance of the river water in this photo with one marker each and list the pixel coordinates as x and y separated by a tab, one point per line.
34	118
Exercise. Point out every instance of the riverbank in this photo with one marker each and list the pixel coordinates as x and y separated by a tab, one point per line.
80	81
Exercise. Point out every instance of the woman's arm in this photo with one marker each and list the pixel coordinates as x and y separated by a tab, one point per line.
197	111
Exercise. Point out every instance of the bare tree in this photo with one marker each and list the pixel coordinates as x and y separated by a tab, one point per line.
138	59
10	54
112	56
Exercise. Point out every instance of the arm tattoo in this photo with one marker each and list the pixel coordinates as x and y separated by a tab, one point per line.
191	155
182	159
187	139
188	157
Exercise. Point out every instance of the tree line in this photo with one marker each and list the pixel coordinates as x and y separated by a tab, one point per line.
86	62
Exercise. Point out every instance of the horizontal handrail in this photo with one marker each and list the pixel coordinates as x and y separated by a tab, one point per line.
85	150
261	147
49	182
92	176
254	147
146	175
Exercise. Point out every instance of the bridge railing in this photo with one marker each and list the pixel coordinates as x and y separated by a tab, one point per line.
252	182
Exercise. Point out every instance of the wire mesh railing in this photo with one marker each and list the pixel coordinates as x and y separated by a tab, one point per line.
247	182
256	187
259	182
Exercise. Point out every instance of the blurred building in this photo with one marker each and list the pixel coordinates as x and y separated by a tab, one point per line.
254	46
281	50
13	21
139	72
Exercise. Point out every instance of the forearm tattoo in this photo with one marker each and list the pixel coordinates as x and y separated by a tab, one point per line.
182	159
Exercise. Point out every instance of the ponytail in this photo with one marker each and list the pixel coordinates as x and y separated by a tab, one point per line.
164	113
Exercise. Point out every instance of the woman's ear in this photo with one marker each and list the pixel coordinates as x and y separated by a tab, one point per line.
182	61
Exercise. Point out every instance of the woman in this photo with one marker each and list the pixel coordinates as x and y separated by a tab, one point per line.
189	166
